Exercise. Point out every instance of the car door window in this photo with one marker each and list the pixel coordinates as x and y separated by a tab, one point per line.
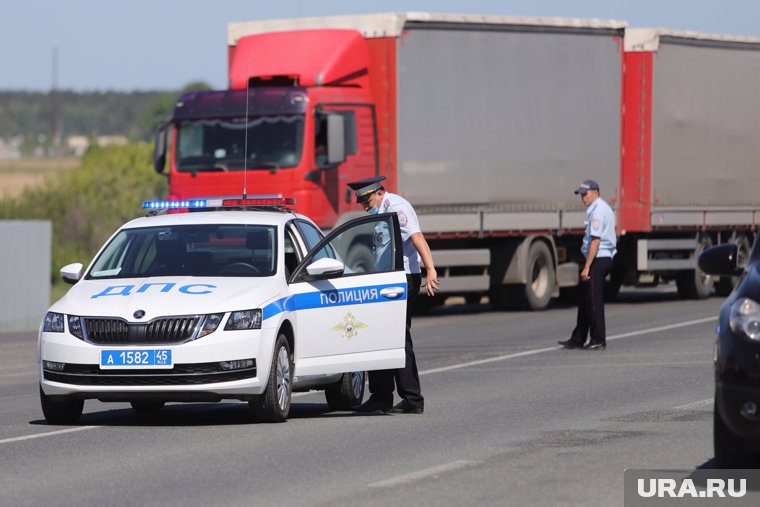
364	245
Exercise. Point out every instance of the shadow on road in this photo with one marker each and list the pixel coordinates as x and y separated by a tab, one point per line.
197	414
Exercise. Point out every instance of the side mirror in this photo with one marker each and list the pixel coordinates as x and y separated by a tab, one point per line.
159	148
720	260
336	139
71	273
325	268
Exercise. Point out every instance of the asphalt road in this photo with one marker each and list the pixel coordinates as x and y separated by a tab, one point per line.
510	419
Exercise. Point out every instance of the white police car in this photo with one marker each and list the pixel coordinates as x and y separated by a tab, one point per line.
234	299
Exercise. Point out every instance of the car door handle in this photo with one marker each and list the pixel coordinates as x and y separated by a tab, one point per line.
392	292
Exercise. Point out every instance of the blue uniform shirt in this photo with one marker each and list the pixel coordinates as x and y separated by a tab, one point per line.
600	223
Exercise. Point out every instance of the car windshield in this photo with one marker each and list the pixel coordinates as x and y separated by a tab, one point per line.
189	250
274	142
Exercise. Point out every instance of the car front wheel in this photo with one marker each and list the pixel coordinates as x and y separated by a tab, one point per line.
60	412
274	405
730	450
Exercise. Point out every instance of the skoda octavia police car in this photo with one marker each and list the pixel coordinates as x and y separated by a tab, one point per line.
231	299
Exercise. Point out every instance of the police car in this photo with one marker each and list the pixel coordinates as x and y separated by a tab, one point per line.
223	298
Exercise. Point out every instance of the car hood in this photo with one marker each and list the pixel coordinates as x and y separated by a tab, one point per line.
164	296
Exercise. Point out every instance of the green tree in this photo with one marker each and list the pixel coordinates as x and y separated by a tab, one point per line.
87	204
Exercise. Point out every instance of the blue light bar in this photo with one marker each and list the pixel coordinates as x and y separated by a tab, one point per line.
193	203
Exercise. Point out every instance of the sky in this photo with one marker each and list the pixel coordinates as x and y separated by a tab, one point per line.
149	45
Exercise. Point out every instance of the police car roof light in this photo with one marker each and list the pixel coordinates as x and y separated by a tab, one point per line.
267	201
190	204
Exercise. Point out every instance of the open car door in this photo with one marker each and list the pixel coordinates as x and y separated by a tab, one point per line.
349	296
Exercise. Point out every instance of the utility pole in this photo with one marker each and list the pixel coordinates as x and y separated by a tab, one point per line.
55	110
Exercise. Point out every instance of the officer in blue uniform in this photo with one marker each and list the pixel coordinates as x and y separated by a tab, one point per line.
374	199
598	249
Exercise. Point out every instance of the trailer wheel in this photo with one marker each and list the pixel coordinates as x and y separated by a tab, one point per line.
726	284
537	292
694	283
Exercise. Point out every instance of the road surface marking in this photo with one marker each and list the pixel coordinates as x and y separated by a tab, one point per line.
425	473
549	349
694	404
48	434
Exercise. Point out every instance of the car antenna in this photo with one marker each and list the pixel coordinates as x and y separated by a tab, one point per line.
245	147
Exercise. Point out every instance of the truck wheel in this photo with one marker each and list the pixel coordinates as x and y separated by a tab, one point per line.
730	450
347	393
694	283
536	294
274	404
147	407
360	259
726	284
60	412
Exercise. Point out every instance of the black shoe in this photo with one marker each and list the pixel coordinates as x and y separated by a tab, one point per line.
570	344
374	406
406	408
596	346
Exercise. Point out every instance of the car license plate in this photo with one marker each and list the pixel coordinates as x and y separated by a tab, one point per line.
136	358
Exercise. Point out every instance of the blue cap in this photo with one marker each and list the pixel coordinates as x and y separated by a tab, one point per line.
586	186
364	188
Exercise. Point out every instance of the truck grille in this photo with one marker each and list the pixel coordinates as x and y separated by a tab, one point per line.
159	331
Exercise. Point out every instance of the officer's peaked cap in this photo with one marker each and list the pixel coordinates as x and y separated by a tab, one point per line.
365	187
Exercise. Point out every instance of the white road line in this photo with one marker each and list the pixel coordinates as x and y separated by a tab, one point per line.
48	434
549	349
694	404
401	480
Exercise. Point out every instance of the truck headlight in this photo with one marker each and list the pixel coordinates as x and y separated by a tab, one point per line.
745	318
53	322
244	319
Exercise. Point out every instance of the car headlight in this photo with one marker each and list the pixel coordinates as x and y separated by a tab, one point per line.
244	319
75	326
745	318
210	323
53	322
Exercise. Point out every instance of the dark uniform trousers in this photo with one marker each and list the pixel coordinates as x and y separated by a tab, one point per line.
407	378
591	304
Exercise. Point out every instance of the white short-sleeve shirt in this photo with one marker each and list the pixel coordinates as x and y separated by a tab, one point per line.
407	219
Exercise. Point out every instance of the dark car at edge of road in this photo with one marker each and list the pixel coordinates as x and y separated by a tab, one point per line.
736	430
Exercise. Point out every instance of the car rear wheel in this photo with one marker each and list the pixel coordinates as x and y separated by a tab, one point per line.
274	404
60	412
347	393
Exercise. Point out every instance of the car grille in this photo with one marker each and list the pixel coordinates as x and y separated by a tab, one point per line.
181	374
158	331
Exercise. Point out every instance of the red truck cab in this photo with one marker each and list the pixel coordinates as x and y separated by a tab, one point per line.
299	105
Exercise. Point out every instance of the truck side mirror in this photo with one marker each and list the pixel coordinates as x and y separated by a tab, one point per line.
336	139
159	148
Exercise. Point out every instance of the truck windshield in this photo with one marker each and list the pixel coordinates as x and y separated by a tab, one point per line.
189	250
274	142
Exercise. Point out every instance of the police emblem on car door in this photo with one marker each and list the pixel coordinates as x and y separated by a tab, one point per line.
349	297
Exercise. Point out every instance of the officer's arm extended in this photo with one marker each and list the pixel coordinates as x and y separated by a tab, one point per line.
431	278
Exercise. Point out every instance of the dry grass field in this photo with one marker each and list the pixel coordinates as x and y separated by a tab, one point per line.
15	175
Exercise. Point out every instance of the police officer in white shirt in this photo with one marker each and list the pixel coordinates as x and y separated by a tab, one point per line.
373	197
598	249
